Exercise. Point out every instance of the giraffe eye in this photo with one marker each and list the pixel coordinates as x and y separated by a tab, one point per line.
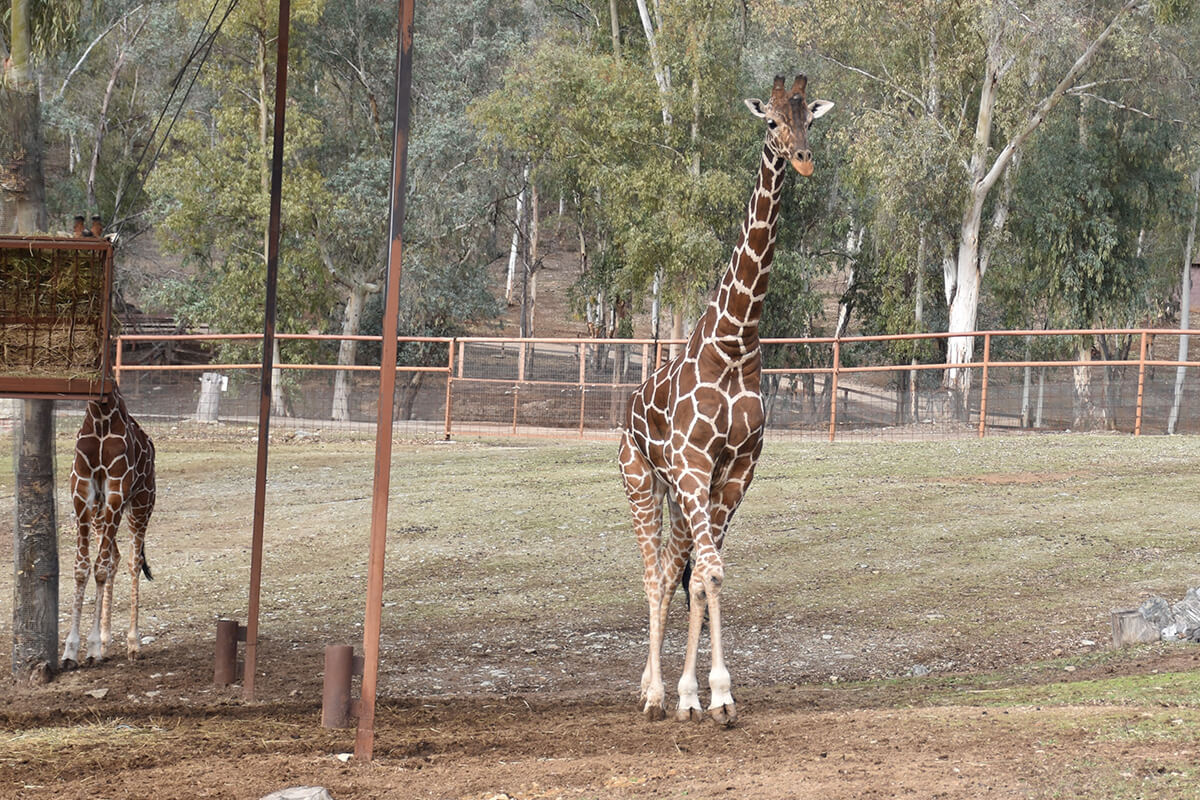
772	124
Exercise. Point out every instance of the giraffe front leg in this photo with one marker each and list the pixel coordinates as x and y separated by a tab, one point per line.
689	687
679	552
70	657
721	708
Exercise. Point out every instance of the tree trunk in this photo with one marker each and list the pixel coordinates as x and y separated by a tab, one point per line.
615	23
408	395
964	273
1087	416
534	241
35	546
21	137
102	122
35	542
514	250
1026	383
1185	307
279	406
347	352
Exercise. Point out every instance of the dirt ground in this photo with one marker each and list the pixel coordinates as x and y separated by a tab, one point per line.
184	739
524	686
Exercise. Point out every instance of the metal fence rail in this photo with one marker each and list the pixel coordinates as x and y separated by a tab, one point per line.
861	386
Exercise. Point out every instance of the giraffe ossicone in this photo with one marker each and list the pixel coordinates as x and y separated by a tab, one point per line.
693	430
112	477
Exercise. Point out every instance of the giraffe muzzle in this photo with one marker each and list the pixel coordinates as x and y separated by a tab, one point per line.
803	165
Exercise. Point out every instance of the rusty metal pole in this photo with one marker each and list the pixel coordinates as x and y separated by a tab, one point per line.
268	355
364	741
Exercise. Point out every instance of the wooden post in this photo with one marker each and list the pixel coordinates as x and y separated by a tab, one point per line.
582	385
449	382
1137	420
983	388
837	358
517	385
35	546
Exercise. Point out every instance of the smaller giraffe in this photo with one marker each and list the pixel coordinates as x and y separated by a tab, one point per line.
112	476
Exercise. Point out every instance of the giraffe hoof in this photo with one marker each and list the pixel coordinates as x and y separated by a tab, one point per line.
654	712
68	664
725	715
689	715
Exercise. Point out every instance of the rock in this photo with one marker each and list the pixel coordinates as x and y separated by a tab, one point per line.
300	793
99	694
1186	613
919	671
1157	612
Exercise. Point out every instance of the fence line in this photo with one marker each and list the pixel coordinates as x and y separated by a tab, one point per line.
842	386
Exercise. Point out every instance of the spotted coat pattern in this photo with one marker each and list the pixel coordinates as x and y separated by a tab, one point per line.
693	431
112	477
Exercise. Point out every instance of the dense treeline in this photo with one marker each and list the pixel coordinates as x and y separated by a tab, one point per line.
989	163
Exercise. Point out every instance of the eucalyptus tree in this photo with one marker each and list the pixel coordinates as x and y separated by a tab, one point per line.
653	142
459	50
213	188
1095	243
967	85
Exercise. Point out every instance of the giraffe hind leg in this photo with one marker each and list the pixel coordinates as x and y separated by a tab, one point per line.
645	502
137	566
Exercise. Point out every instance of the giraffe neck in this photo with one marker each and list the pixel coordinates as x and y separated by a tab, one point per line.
737	305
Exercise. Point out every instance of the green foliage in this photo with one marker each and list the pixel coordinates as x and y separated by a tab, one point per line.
1088	192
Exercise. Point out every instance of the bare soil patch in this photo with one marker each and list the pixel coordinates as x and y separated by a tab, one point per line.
514	631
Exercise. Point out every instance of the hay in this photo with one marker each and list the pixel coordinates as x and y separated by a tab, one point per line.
51	307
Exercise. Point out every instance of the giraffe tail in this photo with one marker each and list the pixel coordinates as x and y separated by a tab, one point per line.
685	580
146	565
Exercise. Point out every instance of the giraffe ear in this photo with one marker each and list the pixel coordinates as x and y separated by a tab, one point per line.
819	108
756	107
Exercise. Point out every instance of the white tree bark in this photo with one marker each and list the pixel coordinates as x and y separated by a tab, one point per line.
1185	307
662	74
348	349
516	239
965	273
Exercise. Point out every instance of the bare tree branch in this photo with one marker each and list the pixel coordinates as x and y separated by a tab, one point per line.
96	41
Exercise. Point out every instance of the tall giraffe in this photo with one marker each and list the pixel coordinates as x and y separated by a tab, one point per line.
112	476
694	429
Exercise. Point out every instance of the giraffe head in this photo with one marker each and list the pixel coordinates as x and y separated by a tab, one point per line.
788	116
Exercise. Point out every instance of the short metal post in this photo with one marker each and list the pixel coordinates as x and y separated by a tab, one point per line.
229	633
337	709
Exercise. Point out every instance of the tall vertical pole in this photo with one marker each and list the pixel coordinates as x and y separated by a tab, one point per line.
268	354
364	742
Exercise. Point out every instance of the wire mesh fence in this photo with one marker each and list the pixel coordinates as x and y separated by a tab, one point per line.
1133	381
